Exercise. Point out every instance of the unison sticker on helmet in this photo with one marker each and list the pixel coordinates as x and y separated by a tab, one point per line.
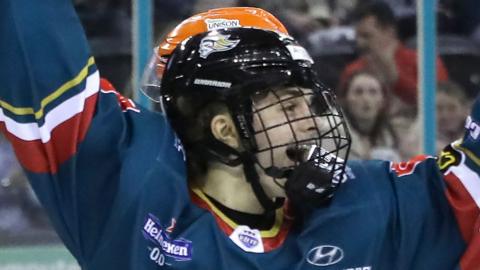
299	53
213	24
216	42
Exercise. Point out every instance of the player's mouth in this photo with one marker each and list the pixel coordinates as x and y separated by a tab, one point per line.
300	153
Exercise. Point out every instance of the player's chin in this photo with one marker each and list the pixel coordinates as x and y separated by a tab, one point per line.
281	182
277	188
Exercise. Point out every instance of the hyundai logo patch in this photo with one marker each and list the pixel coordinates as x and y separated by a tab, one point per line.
325	255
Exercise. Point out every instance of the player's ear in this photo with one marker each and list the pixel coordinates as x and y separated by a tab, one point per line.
223	129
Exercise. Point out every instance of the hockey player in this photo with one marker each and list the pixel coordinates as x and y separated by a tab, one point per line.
257	128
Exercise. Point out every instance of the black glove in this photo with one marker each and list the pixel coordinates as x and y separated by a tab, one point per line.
313	182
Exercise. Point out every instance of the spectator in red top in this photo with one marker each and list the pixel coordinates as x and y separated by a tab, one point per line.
382	53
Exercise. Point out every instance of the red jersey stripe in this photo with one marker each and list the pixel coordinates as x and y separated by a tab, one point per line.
38	157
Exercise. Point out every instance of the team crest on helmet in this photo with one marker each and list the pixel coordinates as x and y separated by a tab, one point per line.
216	43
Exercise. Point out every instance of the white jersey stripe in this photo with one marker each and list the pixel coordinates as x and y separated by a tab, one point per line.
58	115
469	179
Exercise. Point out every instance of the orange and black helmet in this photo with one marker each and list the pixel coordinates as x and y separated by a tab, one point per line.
237	67
220	18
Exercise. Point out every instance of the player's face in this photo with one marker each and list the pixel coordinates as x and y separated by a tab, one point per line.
364	98
282	118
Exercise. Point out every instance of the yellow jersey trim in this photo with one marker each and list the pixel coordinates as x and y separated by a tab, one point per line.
50	98
265	233
469	153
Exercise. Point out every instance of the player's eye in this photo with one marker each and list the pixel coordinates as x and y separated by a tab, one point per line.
289	107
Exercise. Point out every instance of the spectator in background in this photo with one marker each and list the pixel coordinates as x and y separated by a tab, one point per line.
382	53
332	12
365	101
452	109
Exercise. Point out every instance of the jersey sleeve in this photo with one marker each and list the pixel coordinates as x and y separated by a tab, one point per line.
49	91
460	165
84	147
49	82
437	200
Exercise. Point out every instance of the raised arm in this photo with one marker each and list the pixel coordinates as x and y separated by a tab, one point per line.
49	81
67	126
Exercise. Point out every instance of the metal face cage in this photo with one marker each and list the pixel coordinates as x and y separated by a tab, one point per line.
292	125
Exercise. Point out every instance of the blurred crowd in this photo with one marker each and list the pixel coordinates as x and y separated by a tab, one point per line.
364	50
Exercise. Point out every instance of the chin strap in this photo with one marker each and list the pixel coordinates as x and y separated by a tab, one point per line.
215	150
252	177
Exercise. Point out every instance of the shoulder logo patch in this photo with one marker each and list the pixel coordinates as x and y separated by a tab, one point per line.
407	167
448	157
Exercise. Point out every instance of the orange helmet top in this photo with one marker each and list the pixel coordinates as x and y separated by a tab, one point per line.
220	18
210	20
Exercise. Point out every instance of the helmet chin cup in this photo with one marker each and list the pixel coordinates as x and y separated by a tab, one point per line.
310	186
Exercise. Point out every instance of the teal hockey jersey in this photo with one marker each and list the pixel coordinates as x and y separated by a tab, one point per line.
112	177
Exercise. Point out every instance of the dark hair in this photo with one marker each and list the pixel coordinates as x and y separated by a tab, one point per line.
378	9
343	88
194	130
